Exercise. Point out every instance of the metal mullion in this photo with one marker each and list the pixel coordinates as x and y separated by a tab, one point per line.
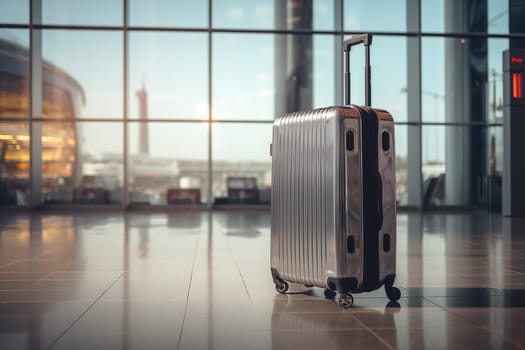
77	27
467	35
57	119
473	35
15	25
167	29
446	124
413	136
166	120
420	111
242	121
35	104
135	120
275	31
16	120
263	31
190	121
125	163
210	103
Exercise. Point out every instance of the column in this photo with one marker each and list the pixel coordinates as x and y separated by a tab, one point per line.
36	103
414	177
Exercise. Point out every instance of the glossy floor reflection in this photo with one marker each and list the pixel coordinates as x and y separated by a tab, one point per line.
202	281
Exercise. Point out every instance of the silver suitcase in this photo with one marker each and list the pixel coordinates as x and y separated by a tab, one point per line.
333	196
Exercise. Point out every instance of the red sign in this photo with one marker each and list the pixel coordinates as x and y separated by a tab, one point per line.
516	85
516	60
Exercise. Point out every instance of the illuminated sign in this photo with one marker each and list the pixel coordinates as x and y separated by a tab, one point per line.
516	60
516	85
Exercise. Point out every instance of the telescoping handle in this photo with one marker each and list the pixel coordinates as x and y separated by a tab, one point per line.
365	39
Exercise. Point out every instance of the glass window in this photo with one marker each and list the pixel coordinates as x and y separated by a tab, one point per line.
433	79
168	72
14	163
168	13
516	13
249	14
433	165
83	74
491	16
453	164
389	76
495	79
303	76
401	164
375	15
261	14
14	11
498	16
495	150
323	71
79	12
243	76
14	73
323	14
494	166
407	165
433	16
454	77
168	163
77	167
241	163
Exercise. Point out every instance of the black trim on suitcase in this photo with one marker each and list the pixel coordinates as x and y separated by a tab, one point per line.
342	285
372	209
371	200
372	183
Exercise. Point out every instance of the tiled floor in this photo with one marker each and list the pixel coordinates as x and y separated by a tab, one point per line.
202	281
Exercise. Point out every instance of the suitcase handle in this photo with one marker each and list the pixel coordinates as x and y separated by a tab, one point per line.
365	39
379	202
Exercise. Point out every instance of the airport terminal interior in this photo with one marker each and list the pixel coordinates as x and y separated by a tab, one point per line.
136	171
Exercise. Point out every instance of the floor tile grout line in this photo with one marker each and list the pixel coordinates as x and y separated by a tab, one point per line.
238	268
189	291
373	333
26	259
84	312
40	255
433	303
37	281
9	264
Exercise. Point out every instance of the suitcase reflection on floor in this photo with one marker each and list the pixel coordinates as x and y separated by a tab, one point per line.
312	323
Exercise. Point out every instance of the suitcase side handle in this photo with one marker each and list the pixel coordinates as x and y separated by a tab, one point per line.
366	40
379	202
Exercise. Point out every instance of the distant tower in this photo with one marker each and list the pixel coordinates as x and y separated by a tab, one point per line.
142	95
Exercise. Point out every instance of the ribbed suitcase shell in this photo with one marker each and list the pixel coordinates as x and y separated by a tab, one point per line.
317	198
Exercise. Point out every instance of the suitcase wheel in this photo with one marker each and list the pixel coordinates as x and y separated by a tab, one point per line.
345	300
393	293
281	286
